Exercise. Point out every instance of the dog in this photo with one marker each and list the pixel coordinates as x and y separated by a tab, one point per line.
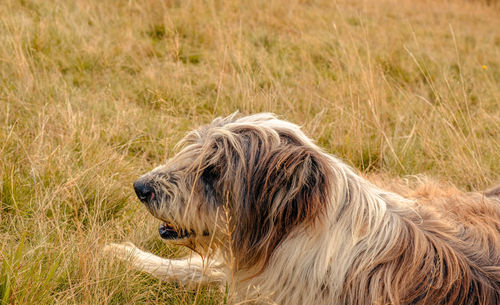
268	212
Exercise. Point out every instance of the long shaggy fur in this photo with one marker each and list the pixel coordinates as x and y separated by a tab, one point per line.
286	223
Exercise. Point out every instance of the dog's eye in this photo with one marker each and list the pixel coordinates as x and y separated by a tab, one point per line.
210	174
209	178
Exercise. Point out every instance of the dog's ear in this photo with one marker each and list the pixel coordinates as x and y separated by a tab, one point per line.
289	188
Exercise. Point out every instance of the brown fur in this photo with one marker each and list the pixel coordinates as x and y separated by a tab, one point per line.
448	252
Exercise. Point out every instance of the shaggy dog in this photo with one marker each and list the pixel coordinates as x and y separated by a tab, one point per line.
283	222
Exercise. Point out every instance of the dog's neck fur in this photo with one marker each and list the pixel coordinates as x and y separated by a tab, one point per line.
360	252
327	252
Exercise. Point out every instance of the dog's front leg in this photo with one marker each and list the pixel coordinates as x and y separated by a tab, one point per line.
190	271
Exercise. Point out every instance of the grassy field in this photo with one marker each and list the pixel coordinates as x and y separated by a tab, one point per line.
94	93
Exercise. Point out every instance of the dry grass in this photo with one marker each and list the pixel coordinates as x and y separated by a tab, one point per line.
93	93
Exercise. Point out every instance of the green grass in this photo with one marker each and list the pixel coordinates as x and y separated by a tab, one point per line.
94	93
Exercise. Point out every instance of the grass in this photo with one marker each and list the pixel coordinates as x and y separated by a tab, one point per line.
94	93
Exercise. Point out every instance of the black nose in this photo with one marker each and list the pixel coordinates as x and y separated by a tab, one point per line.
143	190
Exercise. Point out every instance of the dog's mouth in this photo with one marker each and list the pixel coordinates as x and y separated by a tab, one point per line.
170	232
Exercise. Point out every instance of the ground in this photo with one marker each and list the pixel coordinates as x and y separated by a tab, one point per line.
94	93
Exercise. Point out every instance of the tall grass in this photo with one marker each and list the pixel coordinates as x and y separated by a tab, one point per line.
94	93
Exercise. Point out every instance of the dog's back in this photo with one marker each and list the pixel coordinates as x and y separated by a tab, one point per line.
470	224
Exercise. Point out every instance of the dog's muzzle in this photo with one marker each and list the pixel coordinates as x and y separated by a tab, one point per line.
167	230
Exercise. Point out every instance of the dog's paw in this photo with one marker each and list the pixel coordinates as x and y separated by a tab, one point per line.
123	251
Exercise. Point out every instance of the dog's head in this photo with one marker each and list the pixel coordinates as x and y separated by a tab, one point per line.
247	182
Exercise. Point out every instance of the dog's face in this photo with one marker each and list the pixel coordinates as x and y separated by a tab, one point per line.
248	182
171	193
